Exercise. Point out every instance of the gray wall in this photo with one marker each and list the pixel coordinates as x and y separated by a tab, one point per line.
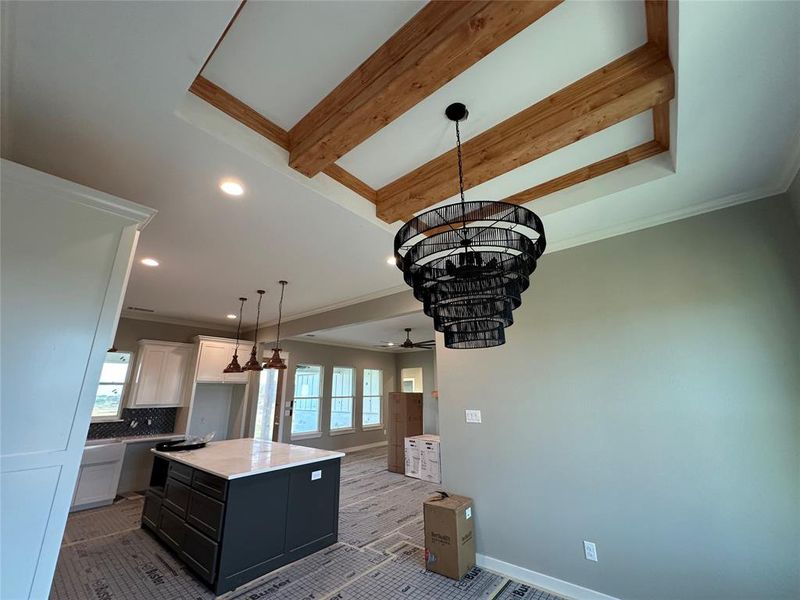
426	360
648	399
337	356
130	331
794	196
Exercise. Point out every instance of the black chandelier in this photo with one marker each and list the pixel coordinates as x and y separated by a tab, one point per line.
470	262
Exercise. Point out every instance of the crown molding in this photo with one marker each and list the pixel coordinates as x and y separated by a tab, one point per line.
669	216
75	192
129	314
335	306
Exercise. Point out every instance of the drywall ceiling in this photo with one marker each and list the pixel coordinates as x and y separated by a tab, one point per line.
97	93
375	334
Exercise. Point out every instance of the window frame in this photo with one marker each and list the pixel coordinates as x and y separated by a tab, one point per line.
380	423
123	395
304	435
351	428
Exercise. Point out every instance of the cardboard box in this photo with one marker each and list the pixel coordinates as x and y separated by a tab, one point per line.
413	456
430	460
449	536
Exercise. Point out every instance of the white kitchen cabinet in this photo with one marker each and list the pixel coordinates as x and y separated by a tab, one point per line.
161	374
98	476
214	355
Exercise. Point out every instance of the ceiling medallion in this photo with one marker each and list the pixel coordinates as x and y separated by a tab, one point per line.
469	262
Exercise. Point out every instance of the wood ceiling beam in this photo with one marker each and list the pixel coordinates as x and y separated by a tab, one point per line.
249	117
441	41
656	13
596	169
622	89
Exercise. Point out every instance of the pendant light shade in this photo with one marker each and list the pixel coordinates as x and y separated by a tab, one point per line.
469	262
254	364
233	366
275	361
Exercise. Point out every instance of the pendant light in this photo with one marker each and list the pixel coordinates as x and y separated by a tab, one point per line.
254	364
275	361
233	366
469	262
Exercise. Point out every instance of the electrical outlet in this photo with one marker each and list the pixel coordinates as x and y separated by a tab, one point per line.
473	416
589	550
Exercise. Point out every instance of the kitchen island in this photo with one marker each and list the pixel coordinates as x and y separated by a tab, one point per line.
238	509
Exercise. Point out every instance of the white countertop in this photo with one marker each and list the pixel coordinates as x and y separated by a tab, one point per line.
232	459
133	439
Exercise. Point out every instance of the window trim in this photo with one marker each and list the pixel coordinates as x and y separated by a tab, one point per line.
380	424
350	428
304	435
117	418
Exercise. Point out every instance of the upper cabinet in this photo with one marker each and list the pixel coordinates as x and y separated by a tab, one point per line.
161	374
214	355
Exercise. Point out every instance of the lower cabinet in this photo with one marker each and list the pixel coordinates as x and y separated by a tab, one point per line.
231	532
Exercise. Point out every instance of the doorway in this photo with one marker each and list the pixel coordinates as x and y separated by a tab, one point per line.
267	419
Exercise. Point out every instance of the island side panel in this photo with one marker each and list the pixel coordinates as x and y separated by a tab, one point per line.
275	518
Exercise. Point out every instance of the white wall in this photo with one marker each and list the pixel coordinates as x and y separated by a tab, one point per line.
66	253
648	400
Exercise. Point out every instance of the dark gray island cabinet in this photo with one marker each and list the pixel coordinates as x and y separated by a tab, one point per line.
236	510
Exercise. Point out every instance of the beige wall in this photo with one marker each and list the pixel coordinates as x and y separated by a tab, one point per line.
648	400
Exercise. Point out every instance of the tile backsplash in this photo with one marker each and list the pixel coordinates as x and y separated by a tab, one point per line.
136	421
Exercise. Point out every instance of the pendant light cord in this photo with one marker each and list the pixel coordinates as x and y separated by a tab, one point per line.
280	313
239	325
258	316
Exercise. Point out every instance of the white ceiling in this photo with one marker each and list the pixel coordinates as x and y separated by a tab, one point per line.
375	334
91	92
282	58
516	75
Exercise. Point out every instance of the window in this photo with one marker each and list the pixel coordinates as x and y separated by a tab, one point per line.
342	398
307	392
113	377
372	398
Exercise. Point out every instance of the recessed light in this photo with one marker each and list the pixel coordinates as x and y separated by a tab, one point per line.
390	344
232	188
391	261
231	316
150	262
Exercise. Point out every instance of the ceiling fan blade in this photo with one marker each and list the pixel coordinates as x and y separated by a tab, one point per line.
425	344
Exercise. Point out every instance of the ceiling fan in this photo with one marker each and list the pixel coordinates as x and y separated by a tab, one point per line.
408	344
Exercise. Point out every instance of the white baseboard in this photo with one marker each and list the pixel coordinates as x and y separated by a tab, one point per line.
540	580
364	447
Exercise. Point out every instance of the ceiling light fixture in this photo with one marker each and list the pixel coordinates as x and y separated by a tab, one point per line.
233	366
469	262
150	262
231	316
275	361
253	364
232	188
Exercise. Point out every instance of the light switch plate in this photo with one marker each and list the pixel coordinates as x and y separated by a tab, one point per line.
473	416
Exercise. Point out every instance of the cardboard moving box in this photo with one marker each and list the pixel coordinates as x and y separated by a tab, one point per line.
423	458
449	536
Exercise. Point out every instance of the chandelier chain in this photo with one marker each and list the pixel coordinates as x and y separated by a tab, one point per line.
461	177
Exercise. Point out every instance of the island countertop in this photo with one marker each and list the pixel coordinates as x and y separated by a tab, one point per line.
232	459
